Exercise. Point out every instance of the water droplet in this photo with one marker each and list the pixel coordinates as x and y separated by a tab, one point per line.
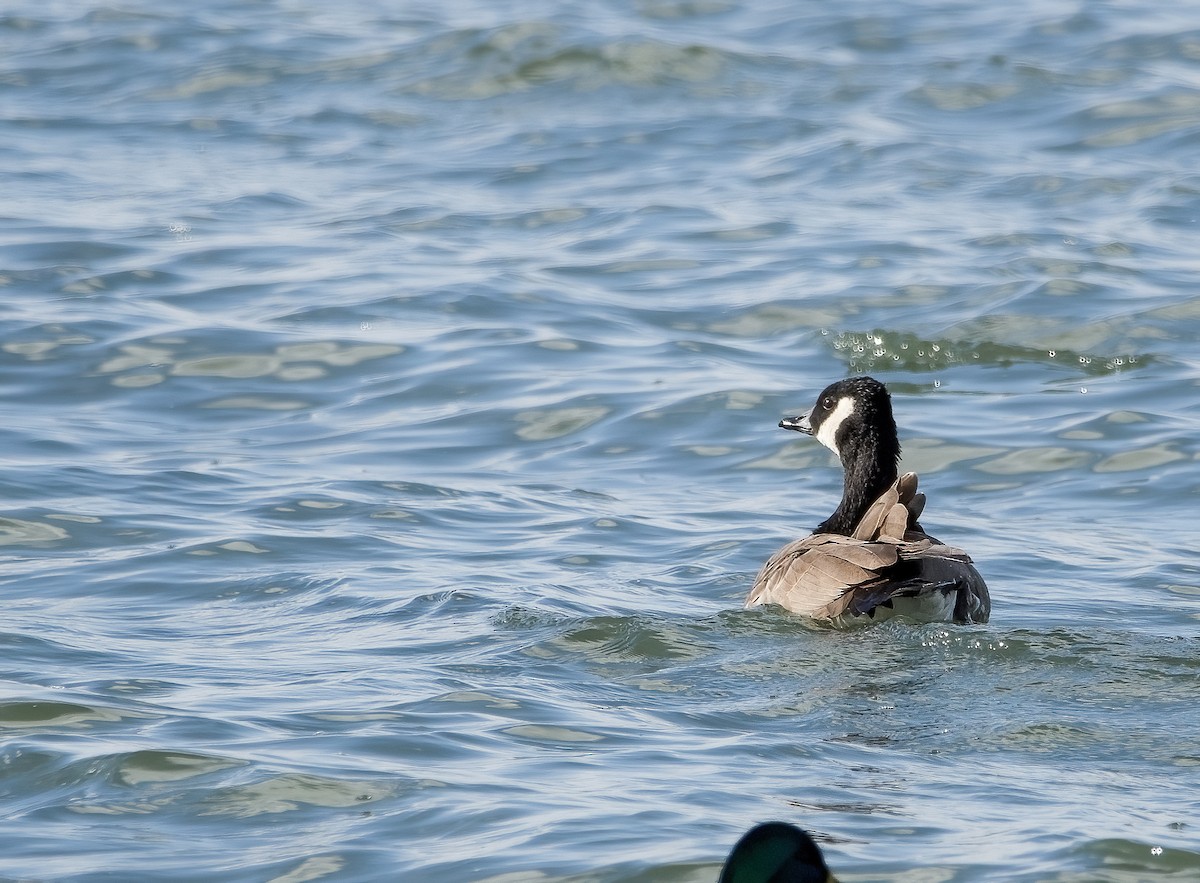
1083	389
1053	354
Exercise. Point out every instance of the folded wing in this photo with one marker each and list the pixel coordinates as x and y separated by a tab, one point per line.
889	562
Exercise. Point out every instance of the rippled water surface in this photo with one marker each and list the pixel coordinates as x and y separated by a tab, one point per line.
390	396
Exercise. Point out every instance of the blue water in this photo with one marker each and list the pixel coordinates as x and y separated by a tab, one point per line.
389	398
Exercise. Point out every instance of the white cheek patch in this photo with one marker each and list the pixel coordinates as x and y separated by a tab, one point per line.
827	432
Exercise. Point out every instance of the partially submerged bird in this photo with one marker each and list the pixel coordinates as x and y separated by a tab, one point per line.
775	852
871	559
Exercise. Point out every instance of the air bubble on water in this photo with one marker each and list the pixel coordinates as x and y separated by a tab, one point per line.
936	348
1083	389
1053	354
937	384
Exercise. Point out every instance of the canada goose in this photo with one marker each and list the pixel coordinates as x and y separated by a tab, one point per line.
775	852
870	559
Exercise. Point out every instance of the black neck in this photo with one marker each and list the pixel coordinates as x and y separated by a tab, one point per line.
869	471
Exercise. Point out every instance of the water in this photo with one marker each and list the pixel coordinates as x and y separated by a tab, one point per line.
390	397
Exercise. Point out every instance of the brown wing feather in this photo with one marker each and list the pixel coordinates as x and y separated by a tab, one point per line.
875	516
870	556
940	550
896	521
906	486
835	608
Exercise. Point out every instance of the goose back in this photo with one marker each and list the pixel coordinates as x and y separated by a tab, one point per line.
888	566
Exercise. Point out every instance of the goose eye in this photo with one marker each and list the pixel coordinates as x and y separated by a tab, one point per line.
827	403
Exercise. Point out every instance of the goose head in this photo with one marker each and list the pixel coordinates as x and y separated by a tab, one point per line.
776	852
853	418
